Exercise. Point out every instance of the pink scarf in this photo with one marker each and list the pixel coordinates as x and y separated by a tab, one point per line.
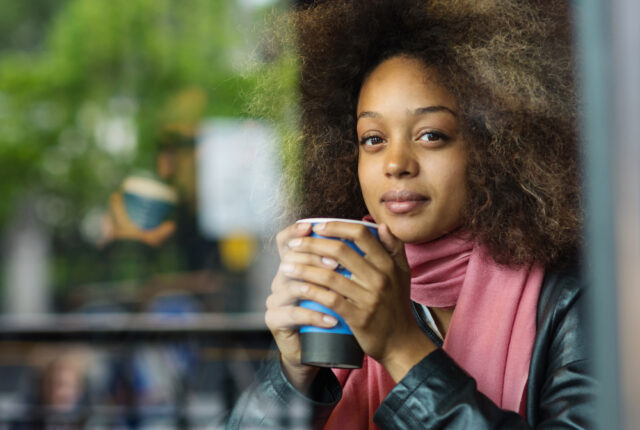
491	333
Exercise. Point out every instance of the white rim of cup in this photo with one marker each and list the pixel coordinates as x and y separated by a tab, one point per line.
347	220
150	188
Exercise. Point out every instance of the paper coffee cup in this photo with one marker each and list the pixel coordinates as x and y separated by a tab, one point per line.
335	346
148	201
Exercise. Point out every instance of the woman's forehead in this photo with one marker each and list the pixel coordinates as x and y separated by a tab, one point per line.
402	83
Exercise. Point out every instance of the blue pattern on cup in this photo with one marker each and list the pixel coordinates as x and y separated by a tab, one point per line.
147	213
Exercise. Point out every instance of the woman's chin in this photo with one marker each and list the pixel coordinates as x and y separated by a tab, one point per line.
414	234
411	235
415	229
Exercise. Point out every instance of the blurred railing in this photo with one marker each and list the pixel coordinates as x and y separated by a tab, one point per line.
127	370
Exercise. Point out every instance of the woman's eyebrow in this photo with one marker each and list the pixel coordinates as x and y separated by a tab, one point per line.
418	111
433	109
368	114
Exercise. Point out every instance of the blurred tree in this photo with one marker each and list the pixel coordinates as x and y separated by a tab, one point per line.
22	23
84	86
86	106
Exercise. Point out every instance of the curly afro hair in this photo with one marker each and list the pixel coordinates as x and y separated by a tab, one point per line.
509	66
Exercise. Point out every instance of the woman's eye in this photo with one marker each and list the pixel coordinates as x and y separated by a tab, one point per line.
433	136
371	140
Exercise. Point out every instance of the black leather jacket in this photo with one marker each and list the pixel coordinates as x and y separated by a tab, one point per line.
437	393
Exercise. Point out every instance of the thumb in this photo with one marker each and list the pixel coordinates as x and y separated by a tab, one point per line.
393	245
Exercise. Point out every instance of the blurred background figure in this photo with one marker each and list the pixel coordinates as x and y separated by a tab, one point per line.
136	200
64	381
59	395
154	213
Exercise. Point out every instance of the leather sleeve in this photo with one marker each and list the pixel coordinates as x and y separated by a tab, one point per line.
272	402
437	393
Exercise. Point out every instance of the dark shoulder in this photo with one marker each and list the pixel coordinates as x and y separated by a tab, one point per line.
562	318
561	291
560	386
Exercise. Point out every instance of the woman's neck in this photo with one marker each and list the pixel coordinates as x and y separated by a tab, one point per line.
442	318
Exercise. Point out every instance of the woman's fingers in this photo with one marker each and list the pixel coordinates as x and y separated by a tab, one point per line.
375	250
291	317
357	233
394	246
309	259
334	251
287	293
291	232
308	267
285	281
327	248
324	286
373	302
327	279
384	254
282	305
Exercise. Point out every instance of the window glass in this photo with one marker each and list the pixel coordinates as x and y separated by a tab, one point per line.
139	202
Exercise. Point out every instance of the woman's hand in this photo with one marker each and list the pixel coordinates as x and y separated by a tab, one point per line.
284	317
375	302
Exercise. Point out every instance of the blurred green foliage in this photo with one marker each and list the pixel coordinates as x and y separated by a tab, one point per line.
85	84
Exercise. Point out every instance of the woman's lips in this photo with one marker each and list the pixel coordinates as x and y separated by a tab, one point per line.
404	207
403	201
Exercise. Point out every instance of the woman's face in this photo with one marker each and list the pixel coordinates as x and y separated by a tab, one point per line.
412	158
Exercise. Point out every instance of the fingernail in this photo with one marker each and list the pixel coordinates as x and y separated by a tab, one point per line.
286	268
320	226
303	226
295	242
329	320
329	262
304	289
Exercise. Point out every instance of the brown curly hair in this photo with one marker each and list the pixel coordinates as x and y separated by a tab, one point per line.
509	66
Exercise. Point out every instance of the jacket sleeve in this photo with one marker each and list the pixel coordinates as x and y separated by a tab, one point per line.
272	402
437	393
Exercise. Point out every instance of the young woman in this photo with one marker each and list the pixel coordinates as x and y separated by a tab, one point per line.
451	124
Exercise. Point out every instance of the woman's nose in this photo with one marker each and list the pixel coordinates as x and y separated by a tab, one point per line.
400	160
